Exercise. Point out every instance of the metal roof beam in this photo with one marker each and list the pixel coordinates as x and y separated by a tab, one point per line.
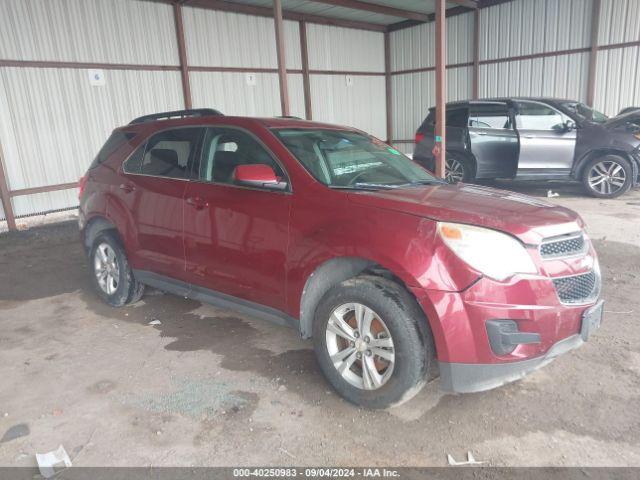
473	4
286	14
376	8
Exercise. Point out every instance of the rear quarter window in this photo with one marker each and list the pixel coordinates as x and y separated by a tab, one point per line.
113	143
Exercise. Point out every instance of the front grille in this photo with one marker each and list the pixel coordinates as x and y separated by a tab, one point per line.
565	246
578	288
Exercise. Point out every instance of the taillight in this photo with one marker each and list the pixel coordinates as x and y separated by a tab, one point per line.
419	137
81	184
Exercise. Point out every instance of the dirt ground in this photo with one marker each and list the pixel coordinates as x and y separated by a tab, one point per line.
211	387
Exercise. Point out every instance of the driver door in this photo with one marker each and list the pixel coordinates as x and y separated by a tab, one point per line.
236	236
546	146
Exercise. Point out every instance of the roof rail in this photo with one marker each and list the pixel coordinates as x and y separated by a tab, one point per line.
196	112
288	116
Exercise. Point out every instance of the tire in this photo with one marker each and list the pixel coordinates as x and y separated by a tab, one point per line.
458	169
401	319
608	176
118	287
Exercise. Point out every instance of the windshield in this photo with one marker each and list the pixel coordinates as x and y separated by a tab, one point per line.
342	159
584	112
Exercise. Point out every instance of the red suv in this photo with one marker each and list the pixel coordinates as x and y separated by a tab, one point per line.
338	235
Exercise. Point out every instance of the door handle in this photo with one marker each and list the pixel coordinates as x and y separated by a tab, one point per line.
478	133
197	203
528	136
127	187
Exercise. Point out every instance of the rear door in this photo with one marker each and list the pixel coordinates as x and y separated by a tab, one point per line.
546	146
155	179
494	141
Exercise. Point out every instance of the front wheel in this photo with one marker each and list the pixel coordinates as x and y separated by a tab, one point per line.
608	176
369	344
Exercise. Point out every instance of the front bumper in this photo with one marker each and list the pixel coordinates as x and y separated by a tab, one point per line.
458	320
467	377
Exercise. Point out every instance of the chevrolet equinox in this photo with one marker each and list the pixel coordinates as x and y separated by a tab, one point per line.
394	274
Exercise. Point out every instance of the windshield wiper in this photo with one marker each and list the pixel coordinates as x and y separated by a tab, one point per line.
371	187
435	181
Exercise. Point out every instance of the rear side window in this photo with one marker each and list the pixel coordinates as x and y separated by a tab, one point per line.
166	154
457	117
113	143
490	116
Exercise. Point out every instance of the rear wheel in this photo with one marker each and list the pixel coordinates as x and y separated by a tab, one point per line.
458	169
369	344
608	176
110	271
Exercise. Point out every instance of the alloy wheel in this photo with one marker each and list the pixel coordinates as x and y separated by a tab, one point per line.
607	177
454	171
360	346
106	268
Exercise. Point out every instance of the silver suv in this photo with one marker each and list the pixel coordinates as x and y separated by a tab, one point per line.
536	139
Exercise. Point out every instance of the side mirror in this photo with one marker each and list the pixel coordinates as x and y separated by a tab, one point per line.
258	175
570	125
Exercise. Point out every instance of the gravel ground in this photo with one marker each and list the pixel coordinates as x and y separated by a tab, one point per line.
212	387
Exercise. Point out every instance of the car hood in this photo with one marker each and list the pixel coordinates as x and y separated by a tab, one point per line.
525	217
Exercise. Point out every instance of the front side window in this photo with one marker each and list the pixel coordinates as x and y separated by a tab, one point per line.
226	148
166	154
339	158
490	116
537	116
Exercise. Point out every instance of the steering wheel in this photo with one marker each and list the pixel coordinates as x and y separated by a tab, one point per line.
355	177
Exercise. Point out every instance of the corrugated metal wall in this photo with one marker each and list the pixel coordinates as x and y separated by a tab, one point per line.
52	121
222	39
358	100
562	76
111	31
524	27
618	70
230	93
414	93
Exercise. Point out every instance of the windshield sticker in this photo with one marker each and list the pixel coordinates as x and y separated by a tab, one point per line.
355	168
394	151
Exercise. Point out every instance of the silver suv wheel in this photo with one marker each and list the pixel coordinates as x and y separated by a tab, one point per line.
360	346
454	171
607	177
106	269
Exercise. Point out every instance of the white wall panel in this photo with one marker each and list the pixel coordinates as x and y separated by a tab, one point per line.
619	21
563	76
415	47
52	122
524	27
230	93
414	93
361	105
617	80
106	31
337	48
223	39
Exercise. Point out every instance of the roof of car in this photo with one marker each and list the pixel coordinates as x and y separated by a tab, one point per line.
294	122
505	99
210	116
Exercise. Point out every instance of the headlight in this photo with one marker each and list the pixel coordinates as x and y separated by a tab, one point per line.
496	255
